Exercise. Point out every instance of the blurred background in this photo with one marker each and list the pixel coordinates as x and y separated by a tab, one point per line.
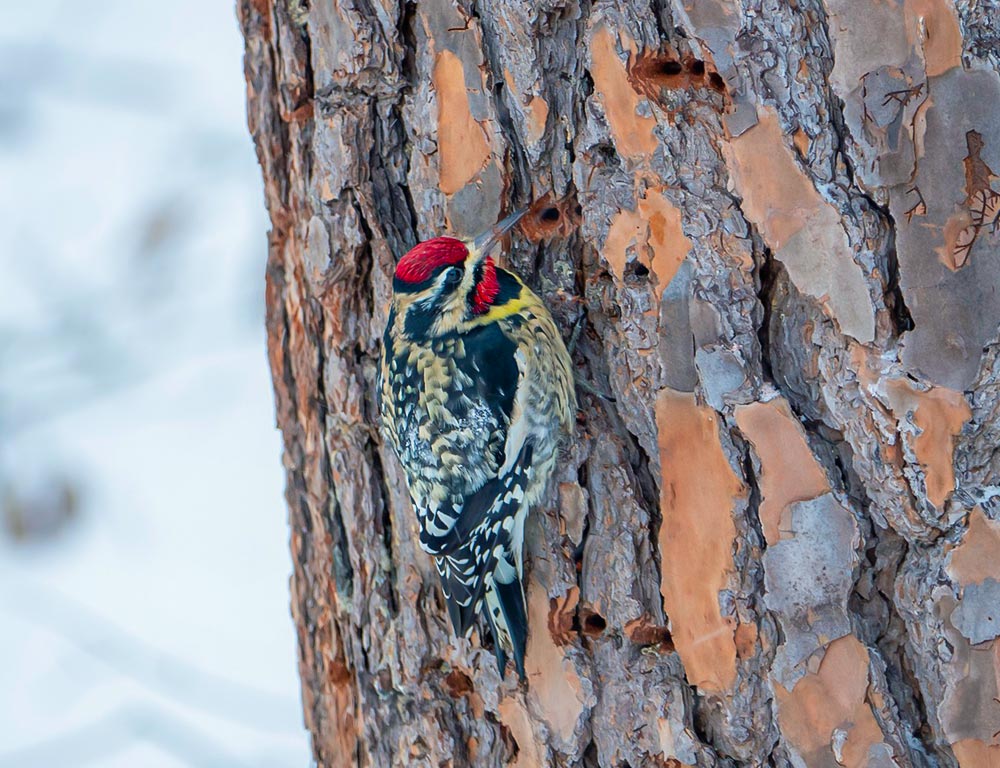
144	565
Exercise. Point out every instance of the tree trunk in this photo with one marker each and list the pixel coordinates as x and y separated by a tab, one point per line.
779	543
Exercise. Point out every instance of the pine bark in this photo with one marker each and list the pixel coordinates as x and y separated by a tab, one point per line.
778	543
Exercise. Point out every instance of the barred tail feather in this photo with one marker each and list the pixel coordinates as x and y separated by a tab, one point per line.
500	602
506	615
479	562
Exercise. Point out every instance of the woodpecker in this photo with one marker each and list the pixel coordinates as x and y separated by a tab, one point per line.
475	392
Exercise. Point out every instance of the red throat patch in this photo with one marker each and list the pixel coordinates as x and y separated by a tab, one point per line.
486	289
420	261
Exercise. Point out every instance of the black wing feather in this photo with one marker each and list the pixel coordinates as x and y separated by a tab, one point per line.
511	599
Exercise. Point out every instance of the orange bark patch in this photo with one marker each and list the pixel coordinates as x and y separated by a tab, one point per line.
553	681
825	716
972	753
536	109
633	133
804	230
746	640
975	559
654	231
698	490
789	471
777	195
801	140
538	113
933	26
572	511
463	148
939	414
515	716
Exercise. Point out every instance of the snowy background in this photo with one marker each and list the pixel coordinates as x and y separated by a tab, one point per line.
144	565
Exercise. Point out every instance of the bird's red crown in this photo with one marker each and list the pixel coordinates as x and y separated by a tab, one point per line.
420	261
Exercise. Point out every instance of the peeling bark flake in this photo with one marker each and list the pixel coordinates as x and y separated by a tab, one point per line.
462	143
803	229
697	495
632	132
934	24
654	234
808	577
976	557
939	414
826	717
555	686
514	715
789	471
973	753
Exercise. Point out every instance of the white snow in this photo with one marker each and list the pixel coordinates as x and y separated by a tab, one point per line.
154	629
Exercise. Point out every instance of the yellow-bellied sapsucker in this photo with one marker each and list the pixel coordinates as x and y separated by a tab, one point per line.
475	390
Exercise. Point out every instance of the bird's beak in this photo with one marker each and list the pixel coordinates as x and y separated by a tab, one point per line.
482	245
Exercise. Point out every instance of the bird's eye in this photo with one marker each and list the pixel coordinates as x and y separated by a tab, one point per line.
453	276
